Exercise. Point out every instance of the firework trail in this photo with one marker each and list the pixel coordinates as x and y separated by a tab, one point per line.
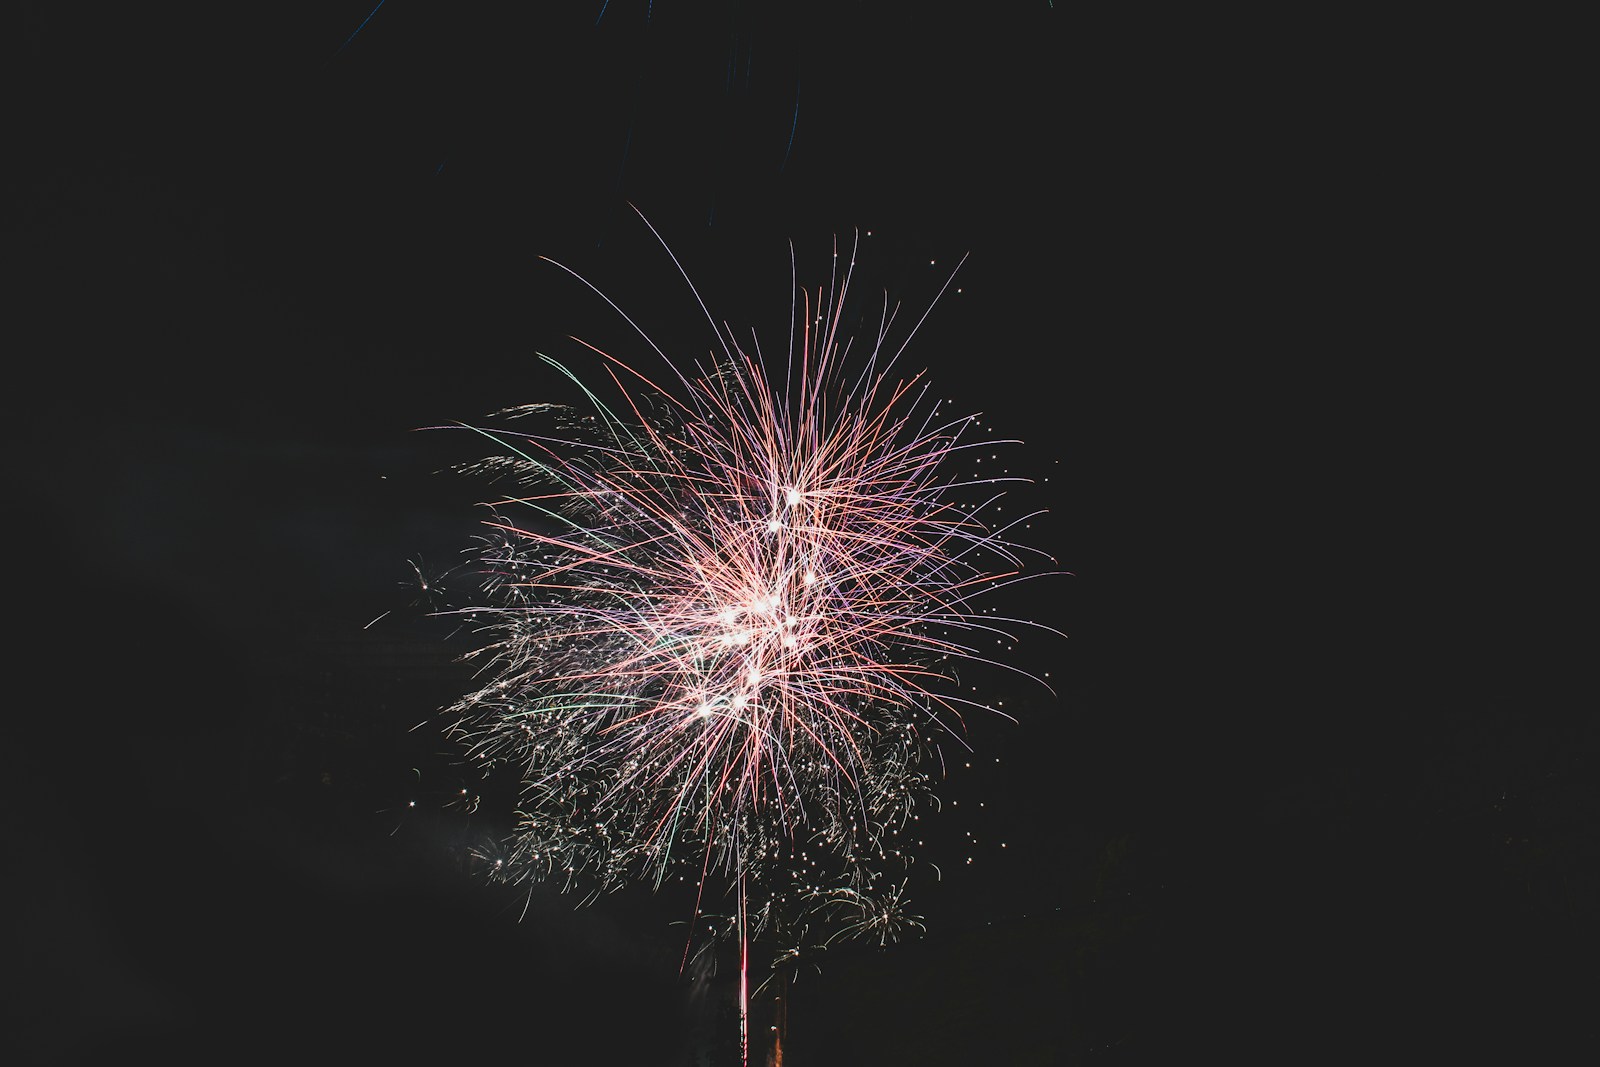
722	615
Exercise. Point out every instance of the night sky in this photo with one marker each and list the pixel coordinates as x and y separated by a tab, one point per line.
261	251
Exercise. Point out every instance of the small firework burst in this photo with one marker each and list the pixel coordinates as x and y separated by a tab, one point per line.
722	614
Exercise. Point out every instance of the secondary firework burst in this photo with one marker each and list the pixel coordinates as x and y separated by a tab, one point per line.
722	607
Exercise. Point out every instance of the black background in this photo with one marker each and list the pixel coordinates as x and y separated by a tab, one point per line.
258	253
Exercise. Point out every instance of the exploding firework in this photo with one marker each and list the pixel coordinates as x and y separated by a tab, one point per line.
722	617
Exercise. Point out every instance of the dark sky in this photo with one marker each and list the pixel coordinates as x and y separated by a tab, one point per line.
258	253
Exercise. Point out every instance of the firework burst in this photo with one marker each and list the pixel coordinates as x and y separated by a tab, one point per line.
722	615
